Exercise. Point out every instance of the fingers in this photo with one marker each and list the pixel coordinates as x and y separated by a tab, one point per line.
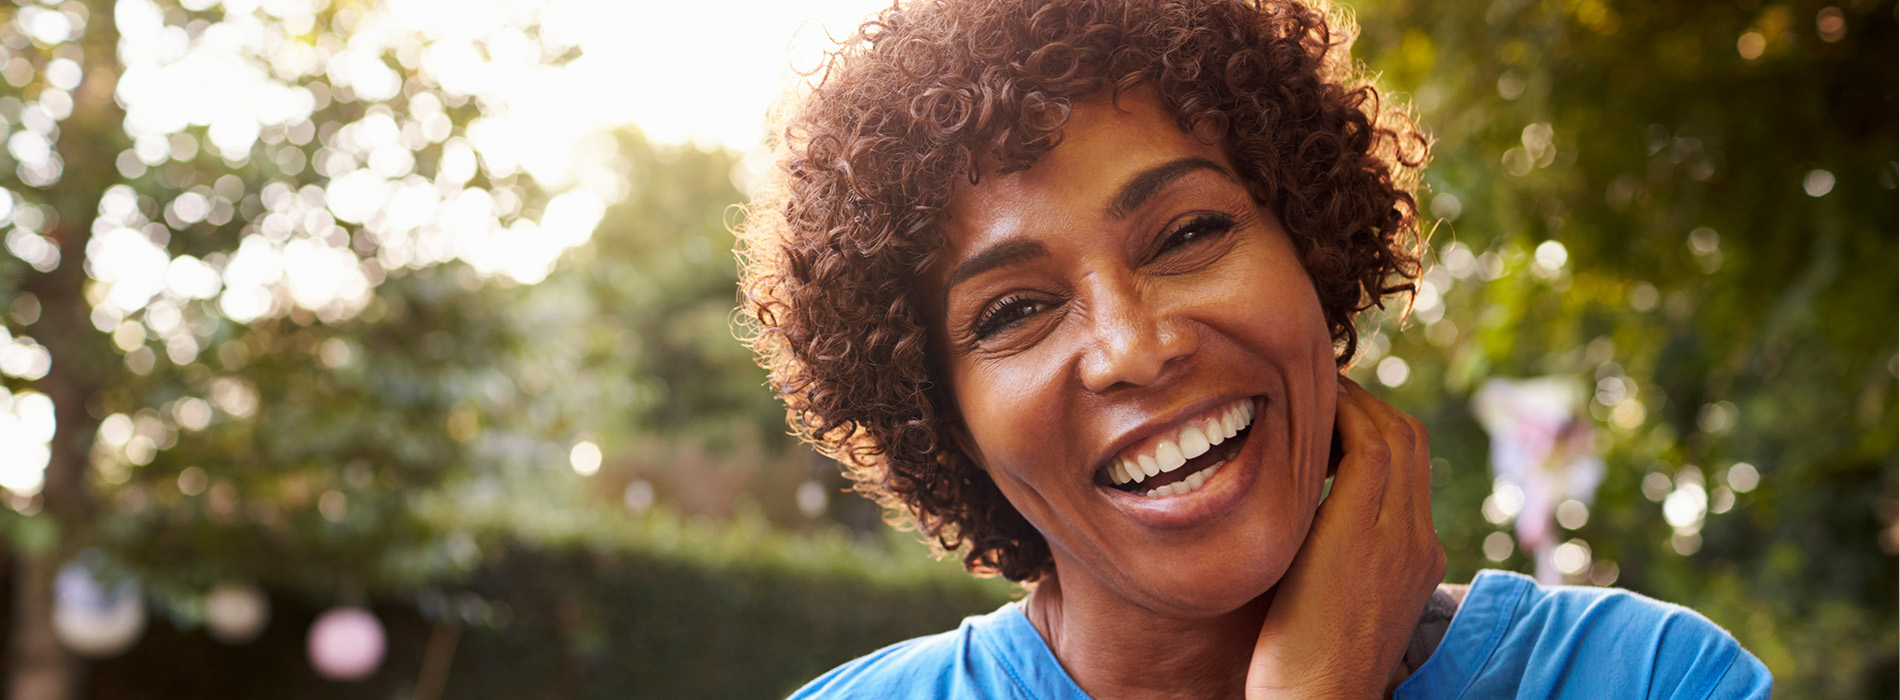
1408	497
1395	450
1384	477
1370	561
1361	479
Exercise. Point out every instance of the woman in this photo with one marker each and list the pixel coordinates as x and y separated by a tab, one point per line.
1067	284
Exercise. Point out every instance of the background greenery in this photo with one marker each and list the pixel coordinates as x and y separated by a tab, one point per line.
1676	152
413	452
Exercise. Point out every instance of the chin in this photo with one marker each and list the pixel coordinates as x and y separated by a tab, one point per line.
1212	593
1217	584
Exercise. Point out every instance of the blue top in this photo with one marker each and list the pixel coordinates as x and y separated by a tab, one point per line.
1511	638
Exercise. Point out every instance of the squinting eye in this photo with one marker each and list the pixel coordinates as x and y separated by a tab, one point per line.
1003	314
1200	228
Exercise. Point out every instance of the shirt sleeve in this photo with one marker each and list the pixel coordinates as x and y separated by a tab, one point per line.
1515	639
1695	659
1745	679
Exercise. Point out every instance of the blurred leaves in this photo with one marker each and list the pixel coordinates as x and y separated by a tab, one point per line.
342	338
308	241
1687	206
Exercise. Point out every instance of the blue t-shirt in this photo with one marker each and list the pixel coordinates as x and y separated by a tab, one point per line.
1511	638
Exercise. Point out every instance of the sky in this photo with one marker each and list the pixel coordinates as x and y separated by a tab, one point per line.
701	71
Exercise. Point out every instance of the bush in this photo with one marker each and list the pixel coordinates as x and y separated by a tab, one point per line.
673	610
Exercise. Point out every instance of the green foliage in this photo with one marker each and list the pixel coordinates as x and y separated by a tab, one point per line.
317	417
602	607
1720	179
647	304
1687	207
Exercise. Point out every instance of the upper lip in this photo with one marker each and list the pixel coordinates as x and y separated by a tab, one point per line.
1174	420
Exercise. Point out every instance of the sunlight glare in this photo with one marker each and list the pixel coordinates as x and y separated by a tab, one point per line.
549	100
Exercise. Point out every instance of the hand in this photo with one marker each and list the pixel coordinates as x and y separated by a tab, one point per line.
1342	616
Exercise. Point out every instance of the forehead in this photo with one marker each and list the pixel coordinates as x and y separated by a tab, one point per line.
1104	144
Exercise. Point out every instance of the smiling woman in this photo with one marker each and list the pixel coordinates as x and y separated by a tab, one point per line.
1067	284
1132	321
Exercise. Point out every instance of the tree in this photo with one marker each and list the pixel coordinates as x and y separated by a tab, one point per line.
261	261
1688	209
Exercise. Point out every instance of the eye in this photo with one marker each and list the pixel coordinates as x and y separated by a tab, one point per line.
1003	313
1199	229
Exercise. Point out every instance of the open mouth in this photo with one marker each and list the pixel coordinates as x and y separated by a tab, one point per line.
1180	463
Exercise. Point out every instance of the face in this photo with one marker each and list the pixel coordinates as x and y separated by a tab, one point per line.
1140	361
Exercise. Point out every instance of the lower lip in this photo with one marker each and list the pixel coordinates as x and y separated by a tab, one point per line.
1200	506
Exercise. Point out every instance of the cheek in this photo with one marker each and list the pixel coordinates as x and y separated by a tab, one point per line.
1270	311
1006	412
1273	310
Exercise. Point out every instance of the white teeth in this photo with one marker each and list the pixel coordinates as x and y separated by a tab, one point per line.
1194	443
1194	440
1212	429
1193	483
1168	457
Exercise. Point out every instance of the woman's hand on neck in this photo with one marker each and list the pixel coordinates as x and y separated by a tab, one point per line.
1347	609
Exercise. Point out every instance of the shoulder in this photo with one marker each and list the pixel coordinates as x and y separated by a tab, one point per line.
912	668
962	663
1516	636
1612	625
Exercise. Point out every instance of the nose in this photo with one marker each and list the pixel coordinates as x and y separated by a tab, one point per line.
1133	340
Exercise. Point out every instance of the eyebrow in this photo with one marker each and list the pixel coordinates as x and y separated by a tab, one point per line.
1144	185
1008	252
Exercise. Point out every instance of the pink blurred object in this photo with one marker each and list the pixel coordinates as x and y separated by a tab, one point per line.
346	644
1540	444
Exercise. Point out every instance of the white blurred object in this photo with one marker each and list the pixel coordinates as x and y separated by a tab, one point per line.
1541	445
93	618
346	644
811	498
235	613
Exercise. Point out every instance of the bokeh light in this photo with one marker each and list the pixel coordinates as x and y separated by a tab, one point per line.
418	295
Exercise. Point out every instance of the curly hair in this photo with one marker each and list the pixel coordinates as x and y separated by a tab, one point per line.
930	93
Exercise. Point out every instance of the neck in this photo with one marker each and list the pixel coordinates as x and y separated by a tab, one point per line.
1115	649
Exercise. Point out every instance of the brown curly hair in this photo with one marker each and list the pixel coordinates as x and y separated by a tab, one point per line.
932	92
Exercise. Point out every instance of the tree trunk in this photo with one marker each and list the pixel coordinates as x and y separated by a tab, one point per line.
83	364
39	668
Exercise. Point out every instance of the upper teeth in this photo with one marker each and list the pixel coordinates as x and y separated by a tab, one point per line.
1193	440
